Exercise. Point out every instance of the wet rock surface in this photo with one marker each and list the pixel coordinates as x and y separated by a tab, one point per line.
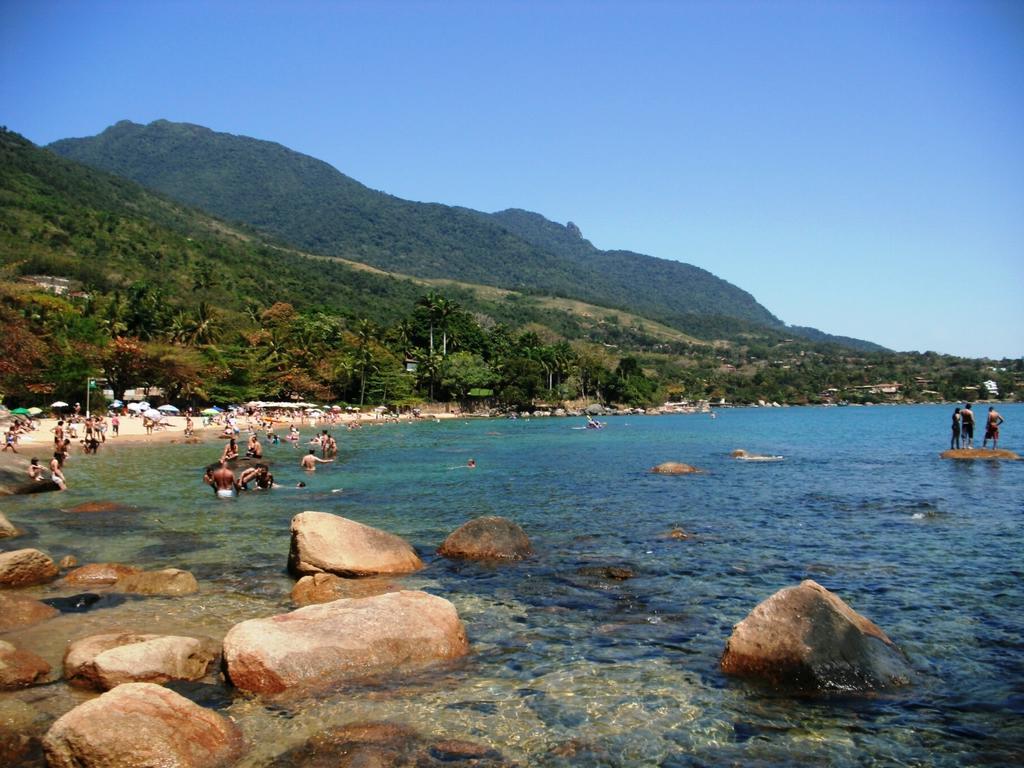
487	538
20	668
675	468
805	638
325	587
26	567
322	645
322	542
105	661
141	724
366	745
17	612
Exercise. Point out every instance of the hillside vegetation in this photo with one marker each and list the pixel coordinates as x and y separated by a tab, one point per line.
163	295
312	206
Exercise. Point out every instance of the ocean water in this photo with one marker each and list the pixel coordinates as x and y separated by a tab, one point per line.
567	667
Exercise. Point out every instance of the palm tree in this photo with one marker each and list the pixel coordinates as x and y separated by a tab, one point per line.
429	303
444	311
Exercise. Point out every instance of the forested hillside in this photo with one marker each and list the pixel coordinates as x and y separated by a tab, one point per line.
313	206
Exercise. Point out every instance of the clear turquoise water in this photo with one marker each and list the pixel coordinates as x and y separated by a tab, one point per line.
928	549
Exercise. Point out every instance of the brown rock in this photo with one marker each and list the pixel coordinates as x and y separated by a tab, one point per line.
806	638
325	587
68	561
487	538
350	639
170	581
325	542
973	454
90	507
387	745
25	567
675	468
98	574
613	572
21	730
7	529
141	724
677	533
20	669
17	612
105	661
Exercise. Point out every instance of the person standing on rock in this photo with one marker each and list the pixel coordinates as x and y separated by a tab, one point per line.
992	428
967	428
954	443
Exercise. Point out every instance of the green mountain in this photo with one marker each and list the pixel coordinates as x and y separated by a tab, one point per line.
310	205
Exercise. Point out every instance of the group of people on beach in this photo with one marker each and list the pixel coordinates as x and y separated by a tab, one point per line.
963	428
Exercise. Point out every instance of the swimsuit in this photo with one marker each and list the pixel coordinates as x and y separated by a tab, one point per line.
225	493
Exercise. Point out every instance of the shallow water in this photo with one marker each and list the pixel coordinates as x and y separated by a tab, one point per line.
626	671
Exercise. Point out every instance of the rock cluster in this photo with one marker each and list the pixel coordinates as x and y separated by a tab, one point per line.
674	468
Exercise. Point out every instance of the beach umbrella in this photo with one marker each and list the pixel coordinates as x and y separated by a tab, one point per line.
135	407
59	404
168	409
20	411
210	412
116	404
144	405
152	413
33	411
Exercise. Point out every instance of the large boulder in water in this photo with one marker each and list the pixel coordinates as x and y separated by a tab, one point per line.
350	639
487	538
25	567
18	668
805	638
325	542
17	612
105	661
674	468
141	724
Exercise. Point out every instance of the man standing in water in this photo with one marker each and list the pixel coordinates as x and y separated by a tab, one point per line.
992	428
967	428
954	443
310	460
223	481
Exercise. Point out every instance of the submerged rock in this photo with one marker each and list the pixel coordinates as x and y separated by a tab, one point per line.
21	730
91	507
96	574
325	587
141	724
324	542
20	669
26	567
973	454
105	661
674	468
17	612
350	639
806	639
613	572
7	528
168	582
487	538
387	744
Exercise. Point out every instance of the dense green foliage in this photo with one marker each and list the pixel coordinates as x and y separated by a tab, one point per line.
311	205
162	295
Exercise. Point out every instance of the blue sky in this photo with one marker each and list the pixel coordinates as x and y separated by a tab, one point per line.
858	167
